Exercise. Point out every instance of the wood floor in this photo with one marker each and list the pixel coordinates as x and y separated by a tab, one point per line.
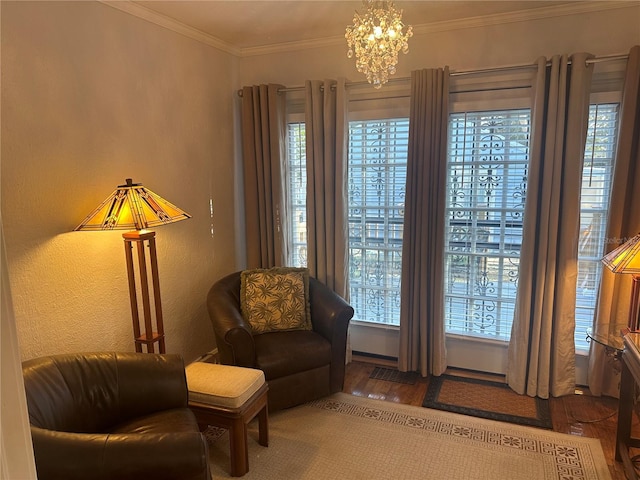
580	414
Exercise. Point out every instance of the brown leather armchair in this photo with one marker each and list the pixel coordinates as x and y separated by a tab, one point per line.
299	365
109	416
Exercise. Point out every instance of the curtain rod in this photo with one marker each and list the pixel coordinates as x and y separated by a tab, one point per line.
472	90
604	58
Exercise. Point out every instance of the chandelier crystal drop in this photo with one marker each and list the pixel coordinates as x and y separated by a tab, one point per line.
376	38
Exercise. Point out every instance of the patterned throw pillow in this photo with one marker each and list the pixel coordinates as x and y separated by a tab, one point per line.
275	299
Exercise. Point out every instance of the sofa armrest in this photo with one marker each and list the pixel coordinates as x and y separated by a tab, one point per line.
161	456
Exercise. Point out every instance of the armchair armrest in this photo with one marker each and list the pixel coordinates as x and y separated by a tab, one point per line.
233	335
330	315
150	382
88	391
161	456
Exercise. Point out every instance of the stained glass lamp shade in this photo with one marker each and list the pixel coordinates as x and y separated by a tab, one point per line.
132	207
626	259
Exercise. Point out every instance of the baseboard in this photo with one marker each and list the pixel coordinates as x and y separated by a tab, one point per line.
209	357
393	362
374	359
464	372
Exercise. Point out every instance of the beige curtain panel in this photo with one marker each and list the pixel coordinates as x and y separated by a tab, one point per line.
326	147
263	143
624	222
422	338
541	354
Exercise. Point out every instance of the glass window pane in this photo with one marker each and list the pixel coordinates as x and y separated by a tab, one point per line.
297	191
376	194
597	175
487	166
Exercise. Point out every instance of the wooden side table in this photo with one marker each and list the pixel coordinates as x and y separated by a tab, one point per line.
630	377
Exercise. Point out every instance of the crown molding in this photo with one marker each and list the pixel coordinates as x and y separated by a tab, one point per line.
572	8
144	13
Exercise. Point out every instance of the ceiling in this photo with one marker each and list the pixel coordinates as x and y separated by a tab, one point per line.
249	24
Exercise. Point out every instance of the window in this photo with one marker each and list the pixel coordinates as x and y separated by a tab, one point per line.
297	193
376	191
376	194
488	155
597	175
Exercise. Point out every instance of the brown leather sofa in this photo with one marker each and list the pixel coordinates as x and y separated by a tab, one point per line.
113	416
298	365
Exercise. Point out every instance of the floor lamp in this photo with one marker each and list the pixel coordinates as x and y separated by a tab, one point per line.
626	259
134	207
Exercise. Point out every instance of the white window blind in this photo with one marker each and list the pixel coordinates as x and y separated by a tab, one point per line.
376	195
597	174
297	193
486	183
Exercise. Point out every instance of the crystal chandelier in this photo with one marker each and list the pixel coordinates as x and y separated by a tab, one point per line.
376	38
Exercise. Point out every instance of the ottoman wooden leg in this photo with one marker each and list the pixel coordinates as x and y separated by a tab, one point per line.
238	448
263	427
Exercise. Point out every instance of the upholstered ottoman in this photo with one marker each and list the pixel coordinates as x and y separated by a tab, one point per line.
230	397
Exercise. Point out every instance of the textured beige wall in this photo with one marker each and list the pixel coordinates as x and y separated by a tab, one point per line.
91	96
610	31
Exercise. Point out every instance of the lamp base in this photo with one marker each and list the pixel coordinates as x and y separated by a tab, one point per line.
152	333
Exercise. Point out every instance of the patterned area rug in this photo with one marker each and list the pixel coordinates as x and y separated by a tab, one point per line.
351	437
484	399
